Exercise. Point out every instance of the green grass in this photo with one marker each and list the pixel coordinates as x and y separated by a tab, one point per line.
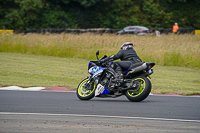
27	70
179	80
167	50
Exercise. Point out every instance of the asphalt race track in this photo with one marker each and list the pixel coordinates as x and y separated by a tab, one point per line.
48	111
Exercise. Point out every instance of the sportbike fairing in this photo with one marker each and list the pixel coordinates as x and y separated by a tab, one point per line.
95	70
100	90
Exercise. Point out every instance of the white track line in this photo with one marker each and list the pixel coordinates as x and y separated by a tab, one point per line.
22	89
100	116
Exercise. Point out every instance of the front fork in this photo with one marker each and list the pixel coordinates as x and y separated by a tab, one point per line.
89	84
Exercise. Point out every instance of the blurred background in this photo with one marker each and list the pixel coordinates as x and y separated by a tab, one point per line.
83	14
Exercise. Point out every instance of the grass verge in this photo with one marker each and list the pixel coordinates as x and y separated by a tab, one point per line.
26	70
167	50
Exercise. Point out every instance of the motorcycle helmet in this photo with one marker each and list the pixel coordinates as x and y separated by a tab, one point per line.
126	45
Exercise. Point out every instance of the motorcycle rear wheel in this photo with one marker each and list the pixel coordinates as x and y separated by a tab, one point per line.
85	93
142	92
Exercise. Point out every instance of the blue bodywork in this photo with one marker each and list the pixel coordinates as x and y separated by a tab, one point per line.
89	65
95	70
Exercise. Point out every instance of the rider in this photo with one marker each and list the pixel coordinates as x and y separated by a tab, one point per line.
128	57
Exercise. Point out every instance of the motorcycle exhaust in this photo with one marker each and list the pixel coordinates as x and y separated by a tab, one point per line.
137	69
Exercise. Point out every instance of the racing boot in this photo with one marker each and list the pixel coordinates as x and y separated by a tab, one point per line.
119	78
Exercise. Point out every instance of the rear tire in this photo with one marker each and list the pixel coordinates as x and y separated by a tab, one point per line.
143	91
84	93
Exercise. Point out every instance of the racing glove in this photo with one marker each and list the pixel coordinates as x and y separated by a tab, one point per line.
101	61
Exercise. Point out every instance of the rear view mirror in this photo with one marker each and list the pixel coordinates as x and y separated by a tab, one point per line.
97	53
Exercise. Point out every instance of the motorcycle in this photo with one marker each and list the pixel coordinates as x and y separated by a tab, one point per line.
102	82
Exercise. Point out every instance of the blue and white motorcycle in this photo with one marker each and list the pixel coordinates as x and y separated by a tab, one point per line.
136	85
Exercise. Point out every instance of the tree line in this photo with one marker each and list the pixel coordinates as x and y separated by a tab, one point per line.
74	14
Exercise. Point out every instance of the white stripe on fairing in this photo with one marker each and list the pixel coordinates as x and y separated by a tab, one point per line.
100	116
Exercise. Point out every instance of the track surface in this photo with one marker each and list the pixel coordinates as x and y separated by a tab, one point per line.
177	113
169	107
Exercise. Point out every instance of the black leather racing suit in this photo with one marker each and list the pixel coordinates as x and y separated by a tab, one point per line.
128	59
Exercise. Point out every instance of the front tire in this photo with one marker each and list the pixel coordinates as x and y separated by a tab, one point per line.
84	93
142	92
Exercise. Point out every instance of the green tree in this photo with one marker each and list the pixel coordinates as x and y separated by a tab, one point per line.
34	14
21	13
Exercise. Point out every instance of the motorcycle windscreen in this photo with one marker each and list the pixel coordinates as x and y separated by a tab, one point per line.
101	90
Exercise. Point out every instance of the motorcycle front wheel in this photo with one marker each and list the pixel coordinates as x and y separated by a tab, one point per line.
142	92
85	92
